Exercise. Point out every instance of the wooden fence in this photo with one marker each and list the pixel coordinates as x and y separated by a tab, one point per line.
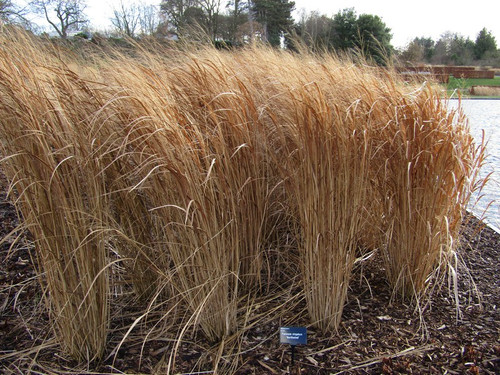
442	73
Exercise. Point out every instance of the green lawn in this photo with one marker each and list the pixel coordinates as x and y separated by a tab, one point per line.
463	83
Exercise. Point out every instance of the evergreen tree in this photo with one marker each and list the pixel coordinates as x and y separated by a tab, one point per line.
462	50
453	49
345	31
428	47
485	42
374	38
275	16
366	33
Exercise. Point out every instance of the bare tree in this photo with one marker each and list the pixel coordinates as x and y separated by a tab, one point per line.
315	29
186	14
238	13
126	19
13	13
63	15
5	9
149	18
9	11
211	8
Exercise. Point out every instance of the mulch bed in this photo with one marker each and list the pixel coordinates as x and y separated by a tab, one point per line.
378	335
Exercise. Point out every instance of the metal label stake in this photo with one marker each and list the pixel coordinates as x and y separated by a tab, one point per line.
293	336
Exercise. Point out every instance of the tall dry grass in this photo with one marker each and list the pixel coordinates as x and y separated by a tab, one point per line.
193	169
427	167
203	174
53	163
485	90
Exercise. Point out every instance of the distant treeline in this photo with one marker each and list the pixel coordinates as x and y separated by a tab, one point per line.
454	49
233	23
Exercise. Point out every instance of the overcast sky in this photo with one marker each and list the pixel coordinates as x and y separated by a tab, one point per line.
406	19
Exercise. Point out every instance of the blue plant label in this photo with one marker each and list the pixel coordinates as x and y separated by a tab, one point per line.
293	335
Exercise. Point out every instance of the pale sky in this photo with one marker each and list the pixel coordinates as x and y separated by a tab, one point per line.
406	19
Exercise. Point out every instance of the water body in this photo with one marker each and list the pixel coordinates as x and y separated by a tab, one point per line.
484	115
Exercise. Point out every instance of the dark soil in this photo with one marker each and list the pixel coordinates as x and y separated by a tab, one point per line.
378	335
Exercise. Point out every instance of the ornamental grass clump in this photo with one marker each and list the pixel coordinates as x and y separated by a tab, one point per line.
427	168
180	177
326	170
54	166
328	180
198	168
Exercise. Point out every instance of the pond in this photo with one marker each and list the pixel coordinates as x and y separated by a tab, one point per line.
484	115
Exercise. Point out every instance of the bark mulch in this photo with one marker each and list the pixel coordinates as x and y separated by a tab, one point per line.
378	334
